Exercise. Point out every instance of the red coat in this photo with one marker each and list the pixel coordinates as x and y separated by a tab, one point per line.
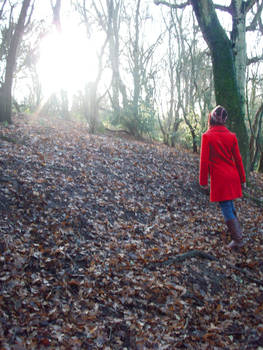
220	158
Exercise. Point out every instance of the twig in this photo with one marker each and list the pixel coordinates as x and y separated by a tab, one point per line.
250	278
182	257
202	255
189	255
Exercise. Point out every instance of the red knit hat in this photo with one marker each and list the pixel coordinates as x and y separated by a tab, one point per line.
217	116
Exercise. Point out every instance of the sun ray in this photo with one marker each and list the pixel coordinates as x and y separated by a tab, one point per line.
67	61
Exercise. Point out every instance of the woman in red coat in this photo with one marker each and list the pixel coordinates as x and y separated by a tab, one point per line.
221	160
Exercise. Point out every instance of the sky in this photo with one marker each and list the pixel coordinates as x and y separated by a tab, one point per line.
68	60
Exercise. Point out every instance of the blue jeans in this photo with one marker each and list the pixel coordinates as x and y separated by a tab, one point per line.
228	210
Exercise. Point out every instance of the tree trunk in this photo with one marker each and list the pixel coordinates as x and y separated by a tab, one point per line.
227	90
91	110
112	29
6	89
254	146
176	124
56	14
64	104
5	104
238	38
260	164
136	67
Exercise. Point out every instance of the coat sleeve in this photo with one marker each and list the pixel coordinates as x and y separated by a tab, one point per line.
238	161
204	161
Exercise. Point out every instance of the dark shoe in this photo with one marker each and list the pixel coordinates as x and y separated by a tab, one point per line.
236	234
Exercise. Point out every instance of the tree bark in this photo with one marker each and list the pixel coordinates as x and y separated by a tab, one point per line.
91	106
254	146
260	164
227	88
6	89
238	39
56	14
112	29
136	67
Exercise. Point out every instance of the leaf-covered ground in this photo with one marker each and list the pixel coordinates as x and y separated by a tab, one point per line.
108	243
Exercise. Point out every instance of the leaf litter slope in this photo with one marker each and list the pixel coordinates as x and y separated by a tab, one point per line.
109	243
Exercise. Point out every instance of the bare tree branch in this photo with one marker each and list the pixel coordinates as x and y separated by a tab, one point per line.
254	60
223	8
30	15
173	6
2	9
56	13
256	20
249	4
180	6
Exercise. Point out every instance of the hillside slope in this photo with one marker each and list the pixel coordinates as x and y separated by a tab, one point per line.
108	243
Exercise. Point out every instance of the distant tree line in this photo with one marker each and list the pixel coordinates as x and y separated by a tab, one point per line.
163	82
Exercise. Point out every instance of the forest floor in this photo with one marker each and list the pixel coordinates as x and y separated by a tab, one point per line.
108	243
